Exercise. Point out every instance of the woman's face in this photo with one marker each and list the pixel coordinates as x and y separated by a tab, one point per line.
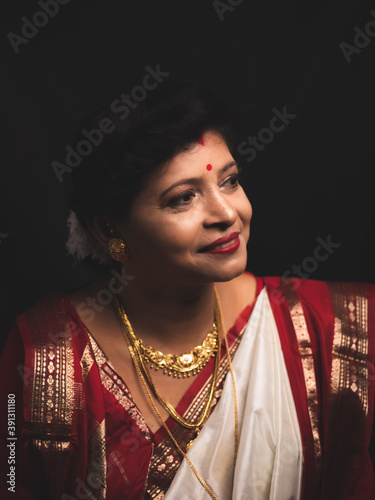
176	220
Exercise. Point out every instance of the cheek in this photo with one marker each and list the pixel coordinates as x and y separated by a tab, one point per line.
163	235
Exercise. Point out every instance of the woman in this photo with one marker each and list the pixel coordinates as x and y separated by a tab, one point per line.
125	390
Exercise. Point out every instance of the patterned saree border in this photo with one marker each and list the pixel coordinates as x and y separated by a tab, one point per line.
307	359
116	386
96	472
87	361
348	399
54	394
350	344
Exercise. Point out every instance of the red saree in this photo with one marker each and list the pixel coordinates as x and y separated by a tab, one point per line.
80	435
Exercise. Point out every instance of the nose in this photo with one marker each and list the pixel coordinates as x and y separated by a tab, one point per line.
219	211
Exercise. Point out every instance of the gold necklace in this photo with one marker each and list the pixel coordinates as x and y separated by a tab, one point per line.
132	341
182	365
157	412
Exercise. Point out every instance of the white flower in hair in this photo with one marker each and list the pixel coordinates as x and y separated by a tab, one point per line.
81	243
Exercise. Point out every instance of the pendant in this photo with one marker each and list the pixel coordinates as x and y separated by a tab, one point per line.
182	365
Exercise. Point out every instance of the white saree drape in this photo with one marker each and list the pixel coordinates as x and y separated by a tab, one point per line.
270	459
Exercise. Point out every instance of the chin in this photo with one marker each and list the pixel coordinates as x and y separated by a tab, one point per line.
229	275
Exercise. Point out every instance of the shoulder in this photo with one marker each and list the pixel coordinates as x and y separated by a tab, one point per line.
50	307
51	320
318	290
51	302
324	301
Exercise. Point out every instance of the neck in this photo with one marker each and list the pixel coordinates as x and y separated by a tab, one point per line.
171	318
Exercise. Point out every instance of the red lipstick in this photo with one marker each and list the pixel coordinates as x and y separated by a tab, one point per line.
220	247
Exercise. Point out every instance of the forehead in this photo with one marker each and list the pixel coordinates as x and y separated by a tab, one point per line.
210	150
186	165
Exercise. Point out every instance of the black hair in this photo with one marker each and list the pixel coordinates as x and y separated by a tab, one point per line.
170	119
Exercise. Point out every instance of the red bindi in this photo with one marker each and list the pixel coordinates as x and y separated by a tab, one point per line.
201	141
209	166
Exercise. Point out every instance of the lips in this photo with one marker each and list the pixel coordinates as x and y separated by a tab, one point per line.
226	244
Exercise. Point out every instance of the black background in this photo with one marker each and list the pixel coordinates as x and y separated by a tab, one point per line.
313	180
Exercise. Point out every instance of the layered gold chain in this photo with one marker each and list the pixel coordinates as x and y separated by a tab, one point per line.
141	369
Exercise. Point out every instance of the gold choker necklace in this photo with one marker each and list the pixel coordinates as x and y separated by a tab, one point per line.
140	365
182	365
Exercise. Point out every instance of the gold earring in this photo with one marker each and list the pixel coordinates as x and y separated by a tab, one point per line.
117	247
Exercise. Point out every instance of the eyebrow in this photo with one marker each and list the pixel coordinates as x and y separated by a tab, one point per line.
192	180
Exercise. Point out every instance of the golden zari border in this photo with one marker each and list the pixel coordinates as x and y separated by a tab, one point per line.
87	361
304	345
114	384
96	472
350	345
54	395
53	399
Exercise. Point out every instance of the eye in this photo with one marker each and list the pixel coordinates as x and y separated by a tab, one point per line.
181	199
232	181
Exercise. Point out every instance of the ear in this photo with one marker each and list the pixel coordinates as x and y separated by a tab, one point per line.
99	227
